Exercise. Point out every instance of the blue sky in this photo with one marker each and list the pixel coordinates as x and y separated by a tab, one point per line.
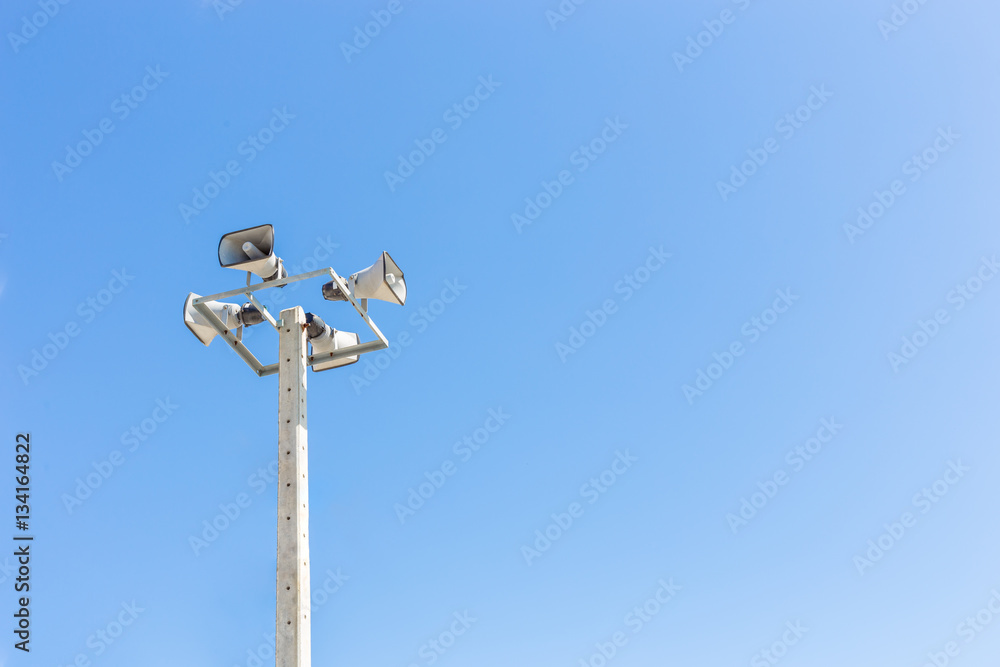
754	429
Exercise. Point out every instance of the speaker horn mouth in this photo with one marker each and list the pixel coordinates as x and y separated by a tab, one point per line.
198	324
251	249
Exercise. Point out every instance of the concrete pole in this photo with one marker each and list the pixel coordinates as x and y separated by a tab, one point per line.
293	638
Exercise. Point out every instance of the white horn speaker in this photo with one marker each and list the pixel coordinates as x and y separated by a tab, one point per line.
251	250
383	280
330	341
229	313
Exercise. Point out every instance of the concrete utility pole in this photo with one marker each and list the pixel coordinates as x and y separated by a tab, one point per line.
252	250
292	634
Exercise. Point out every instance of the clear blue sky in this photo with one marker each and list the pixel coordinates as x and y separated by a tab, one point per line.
692	218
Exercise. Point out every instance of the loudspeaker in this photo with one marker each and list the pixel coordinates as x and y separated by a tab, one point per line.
229	313
383	280
251	250
330	341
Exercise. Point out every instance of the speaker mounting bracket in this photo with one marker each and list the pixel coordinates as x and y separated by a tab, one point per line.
234	340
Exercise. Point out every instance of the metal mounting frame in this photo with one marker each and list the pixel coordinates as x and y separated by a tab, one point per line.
346	288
